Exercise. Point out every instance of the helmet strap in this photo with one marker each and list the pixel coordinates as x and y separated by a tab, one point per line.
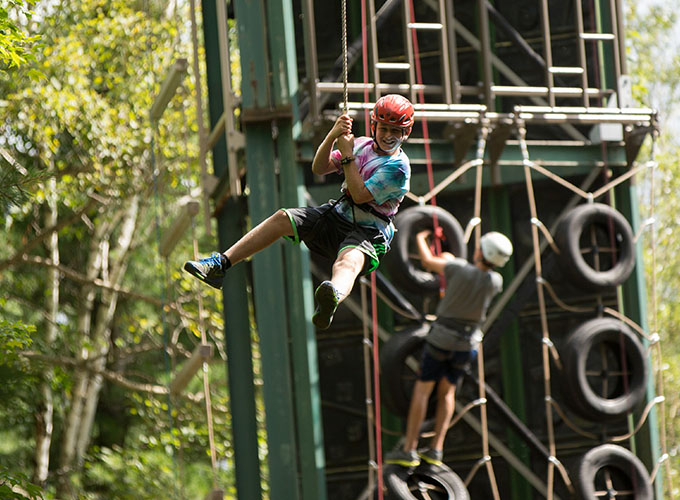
374	126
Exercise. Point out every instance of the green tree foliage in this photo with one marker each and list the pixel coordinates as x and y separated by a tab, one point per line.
16	486
86	125
653	44
15	43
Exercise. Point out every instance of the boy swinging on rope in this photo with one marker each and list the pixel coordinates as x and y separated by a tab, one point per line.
451	344
356	229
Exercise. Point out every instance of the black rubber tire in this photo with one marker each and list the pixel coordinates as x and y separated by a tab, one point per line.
574	233
397	378
405	270
595	346
432	483
625	470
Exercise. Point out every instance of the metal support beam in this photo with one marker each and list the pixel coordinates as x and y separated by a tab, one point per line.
235	303
298	283
268	269
485	39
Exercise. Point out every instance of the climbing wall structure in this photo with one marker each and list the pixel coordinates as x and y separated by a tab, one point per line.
525	124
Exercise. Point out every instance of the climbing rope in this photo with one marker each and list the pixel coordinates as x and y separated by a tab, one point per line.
546	341
345	91
371	380
368	345
205	369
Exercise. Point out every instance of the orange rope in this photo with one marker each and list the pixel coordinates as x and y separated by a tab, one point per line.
369	396
544	320
206	381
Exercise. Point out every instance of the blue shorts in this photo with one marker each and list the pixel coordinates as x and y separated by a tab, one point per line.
437	363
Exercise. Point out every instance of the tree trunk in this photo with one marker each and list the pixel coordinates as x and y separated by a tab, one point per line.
45	412
102	331
80	375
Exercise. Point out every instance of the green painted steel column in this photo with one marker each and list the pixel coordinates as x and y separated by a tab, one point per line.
268	267
511	350
307	399
234	296
647	441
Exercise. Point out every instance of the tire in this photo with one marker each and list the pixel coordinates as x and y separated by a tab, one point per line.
397	378
619	466
403	267
425	483
594	347
592	227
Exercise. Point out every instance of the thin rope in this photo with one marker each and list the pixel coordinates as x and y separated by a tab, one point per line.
484	421
543	315
345	91
206	380
372	462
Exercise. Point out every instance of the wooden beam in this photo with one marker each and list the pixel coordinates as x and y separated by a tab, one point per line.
178	227
202	353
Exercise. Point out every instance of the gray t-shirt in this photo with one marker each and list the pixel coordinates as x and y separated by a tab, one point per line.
469	291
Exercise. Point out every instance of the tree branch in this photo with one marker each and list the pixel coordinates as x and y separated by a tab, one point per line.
114	377
80	278
46	232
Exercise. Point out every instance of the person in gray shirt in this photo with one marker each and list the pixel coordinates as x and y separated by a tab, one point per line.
452	342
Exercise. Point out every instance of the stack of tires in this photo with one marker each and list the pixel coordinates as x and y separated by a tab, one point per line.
605	366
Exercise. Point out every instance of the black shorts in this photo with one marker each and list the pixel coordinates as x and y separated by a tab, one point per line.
327	233
437	363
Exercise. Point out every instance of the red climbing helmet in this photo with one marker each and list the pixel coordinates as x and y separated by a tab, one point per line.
394	109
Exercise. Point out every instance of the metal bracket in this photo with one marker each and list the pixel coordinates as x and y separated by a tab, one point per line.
634	136
463	135
496	144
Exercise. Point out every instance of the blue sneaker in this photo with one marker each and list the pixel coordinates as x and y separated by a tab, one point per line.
208	270
327	302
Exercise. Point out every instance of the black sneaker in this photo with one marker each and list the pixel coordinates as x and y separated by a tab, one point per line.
432	457
327	302
208	270
403	458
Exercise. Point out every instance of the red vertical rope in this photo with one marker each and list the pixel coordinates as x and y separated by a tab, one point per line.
376	387
374	300
426	139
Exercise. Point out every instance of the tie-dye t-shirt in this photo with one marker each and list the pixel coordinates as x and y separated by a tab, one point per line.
386	177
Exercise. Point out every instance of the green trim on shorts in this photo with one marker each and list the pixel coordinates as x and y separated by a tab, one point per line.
374	261
295	238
